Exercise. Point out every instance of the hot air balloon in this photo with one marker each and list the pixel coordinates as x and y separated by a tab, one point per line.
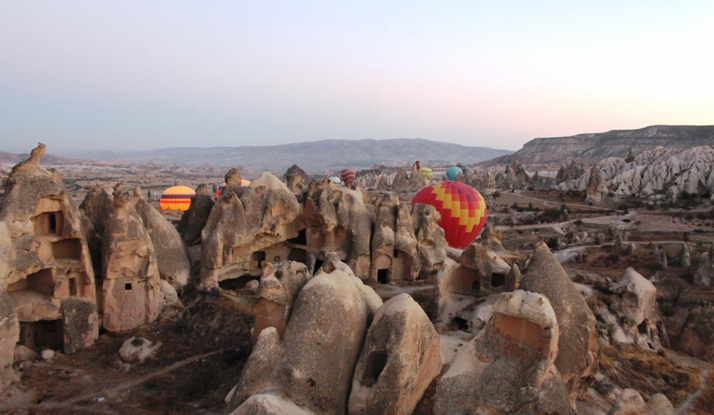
335	180
243	183
425	172
348	177
452	172
177	198
462	209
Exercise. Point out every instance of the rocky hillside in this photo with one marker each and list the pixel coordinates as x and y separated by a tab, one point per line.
591	148
315	155
657	171
13	158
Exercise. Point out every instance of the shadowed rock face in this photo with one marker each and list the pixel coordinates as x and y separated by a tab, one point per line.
194	219
241	224
9	335
337	220
509	366
44	259
131	290
171	253
276	294
595	186
697	338
297	181
578	348
399	359
313	365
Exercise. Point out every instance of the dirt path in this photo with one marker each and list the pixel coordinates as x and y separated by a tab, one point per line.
71	404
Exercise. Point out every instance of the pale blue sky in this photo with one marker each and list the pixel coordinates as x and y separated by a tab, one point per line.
147	74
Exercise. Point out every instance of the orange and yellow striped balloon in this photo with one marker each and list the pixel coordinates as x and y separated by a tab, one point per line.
462	209
177	198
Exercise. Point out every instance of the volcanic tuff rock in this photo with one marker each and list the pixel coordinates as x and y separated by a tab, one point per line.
313	365
399	359
509	366
578	348
615	143
131	289
657	171
393	241
194	219
697	338
171	253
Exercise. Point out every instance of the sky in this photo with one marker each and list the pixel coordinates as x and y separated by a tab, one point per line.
139	75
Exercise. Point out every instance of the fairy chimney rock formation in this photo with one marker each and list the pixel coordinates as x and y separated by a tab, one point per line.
243	225
194	219
171	253
131	289
578	347
509	366
394	254
45	264
399	359
595	186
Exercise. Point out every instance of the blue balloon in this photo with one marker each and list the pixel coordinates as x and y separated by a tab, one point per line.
452	172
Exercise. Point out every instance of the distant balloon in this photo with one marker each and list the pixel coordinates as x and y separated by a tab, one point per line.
462	209
335	180
243	183
348	176
425	172
177	198
452	172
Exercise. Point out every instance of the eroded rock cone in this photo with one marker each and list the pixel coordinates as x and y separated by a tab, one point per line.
697	338
509	366
431	245
578	347
170	251
595	186
297	181
394	253
194	219
703	276
131	290
685	257
399	360
638	307
491	238
336	219
264	215
313	365
45	263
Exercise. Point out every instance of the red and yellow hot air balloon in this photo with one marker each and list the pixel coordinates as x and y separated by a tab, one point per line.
177	198
462	209
348	176
243	183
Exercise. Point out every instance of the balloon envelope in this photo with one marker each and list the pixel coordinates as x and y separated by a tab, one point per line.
462	209
348	177
177	198
425	172
452	172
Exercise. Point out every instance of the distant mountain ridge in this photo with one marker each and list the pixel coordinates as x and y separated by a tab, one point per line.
594	147
14	158
313	155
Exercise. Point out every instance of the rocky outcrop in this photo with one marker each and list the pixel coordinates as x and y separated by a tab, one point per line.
577	344
491	238
399	360
394	254
297	181
336	220
616	143
570	172
629	402
431	245
45	263
664	171
697	338
9	335
313	365
276	294
705	270
243	223
480	268
595	185
170	251
637	308
130	289
194	219
515	177
509	366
